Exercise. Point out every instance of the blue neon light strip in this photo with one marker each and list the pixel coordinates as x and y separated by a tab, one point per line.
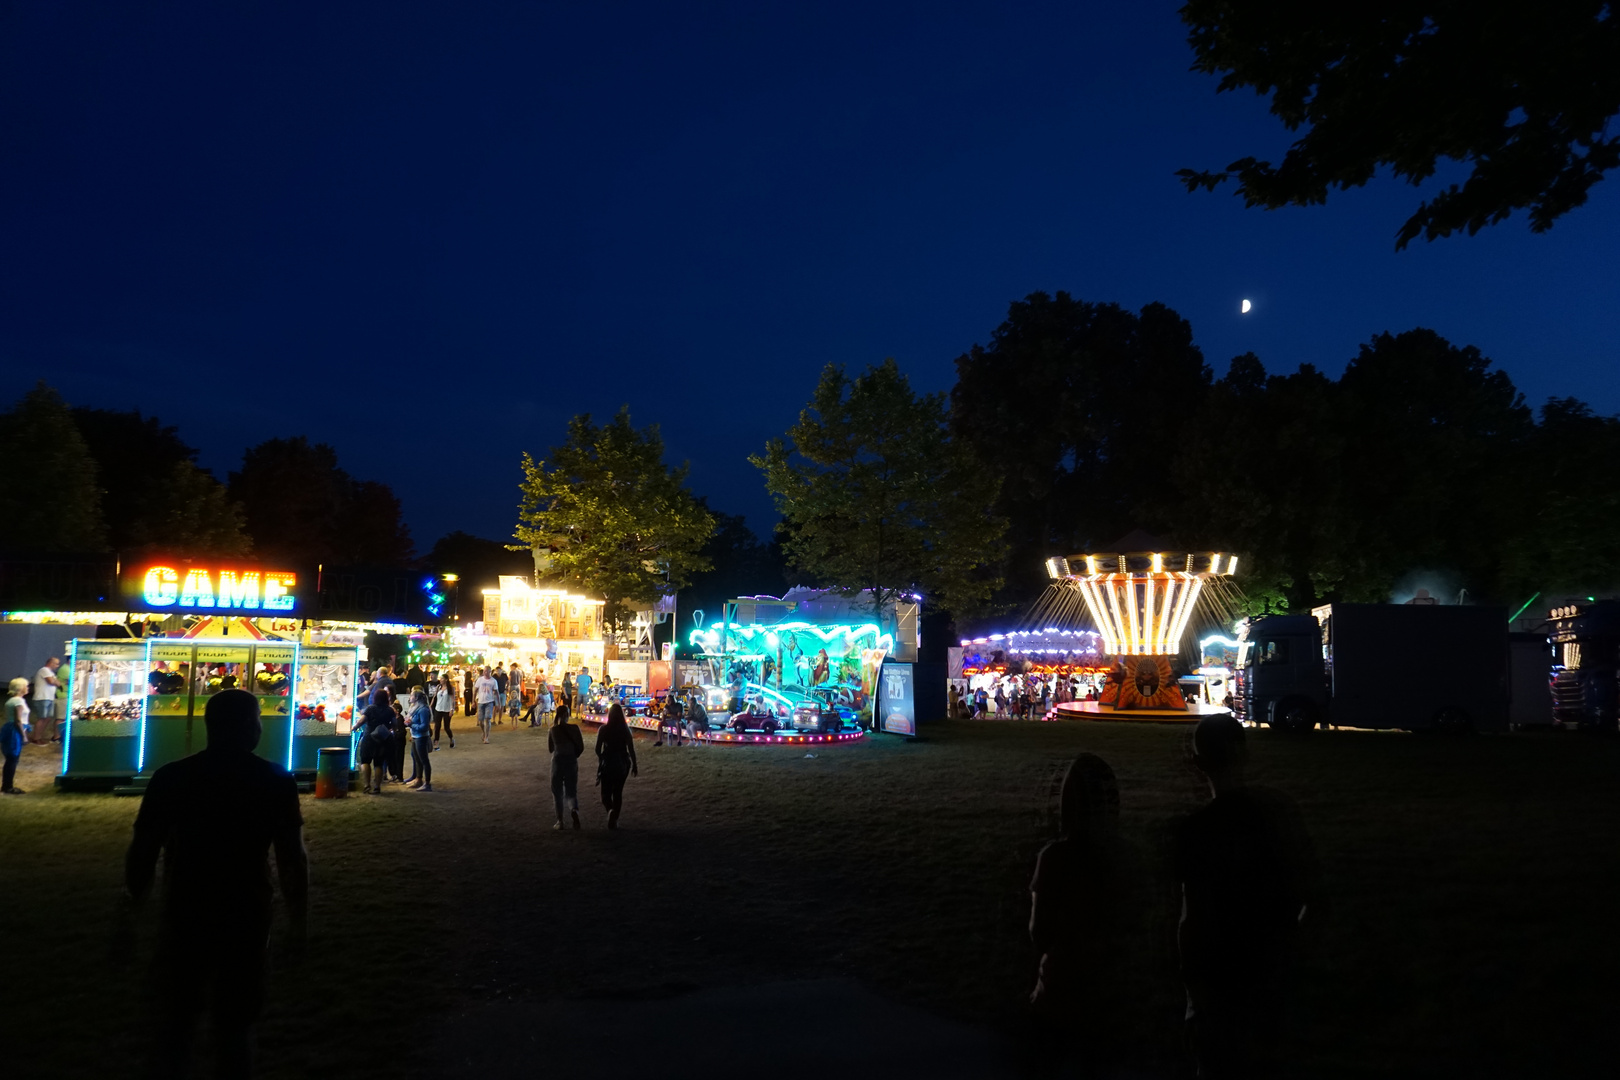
67	721
140	754
292	703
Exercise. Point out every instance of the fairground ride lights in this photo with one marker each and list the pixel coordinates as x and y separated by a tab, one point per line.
1141	607
247	590
710	639
80	617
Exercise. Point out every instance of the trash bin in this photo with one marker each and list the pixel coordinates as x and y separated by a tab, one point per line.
331	772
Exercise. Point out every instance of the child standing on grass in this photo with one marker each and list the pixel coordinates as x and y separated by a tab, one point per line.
421	724
13	733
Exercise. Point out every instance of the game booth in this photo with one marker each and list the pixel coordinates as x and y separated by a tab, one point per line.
137	703
804	668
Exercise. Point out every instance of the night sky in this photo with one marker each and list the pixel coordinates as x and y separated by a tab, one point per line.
430	233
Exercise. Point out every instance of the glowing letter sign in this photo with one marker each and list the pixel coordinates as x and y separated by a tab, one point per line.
238	591
164	587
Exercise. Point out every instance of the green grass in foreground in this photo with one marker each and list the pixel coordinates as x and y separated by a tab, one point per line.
1470	881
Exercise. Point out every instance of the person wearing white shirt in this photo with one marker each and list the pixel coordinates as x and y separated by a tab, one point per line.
484	693
44	704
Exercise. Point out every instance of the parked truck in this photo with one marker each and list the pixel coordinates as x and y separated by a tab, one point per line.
1414	667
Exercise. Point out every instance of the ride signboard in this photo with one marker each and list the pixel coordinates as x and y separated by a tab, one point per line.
896	700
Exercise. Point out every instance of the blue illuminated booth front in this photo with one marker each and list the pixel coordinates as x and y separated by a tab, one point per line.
136	704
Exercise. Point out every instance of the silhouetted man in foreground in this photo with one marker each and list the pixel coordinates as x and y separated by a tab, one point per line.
1247	872
1077	924
215	815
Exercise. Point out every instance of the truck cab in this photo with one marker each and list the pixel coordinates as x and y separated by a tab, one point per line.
1280	679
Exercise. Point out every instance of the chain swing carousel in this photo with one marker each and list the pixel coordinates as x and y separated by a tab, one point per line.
1141	603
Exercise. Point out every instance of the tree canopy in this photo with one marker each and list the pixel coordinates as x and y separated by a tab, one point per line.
876	495
1078	407
153	494
605	515
50	477
742	565
300	505
1419	460
1522	97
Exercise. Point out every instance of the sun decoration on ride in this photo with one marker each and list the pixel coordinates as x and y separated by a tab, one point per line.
1145	682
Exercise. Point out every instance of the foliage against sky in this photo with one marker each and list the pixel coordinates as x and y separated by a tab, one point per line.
1521	95
609	517
875	494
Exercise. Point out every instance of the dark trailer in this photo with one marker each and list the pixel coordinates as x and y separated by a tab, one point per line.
1414	667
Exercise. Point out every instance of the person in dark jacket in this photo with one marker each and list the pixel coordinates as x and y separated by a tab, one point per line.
376	735
213	818
400	742
566	744
1076	923
1247	871
615	761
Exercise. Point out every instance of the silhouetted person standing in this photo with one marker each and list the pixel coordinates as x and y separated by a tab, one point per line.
1076	924
215	816
1246	870
567	744
616	761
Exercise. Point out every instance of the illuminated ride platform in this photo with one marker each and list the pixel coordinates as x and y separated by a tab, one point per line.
1141	603
773	718
720	733
1190	713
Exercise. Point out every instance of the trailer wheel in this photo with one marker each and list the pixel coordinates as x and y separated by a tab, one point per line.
1453	721
1296	717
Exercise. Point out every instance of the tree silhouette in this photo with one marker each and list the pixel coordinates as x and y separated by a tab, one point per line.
50	475
1523	97
606	515
875	494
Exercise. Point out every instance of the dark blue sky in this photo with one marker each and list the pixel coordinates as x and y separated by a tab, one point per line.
430	233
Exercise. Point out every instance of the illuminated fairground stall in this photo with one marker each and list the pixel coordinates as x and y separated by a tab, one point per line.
1141	604
806	667
192	629
1065	664
544	630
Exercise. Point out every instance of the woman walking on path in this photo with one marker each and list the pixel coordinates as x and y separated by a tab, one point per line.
615	761
444	707
566	744
374	740
421	723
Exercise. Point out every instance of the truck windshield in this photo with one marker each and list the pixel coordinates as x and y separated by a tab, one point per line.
1273	651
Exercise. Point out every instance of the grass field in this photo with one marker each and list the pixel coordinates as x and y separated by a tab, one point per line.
1471	882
